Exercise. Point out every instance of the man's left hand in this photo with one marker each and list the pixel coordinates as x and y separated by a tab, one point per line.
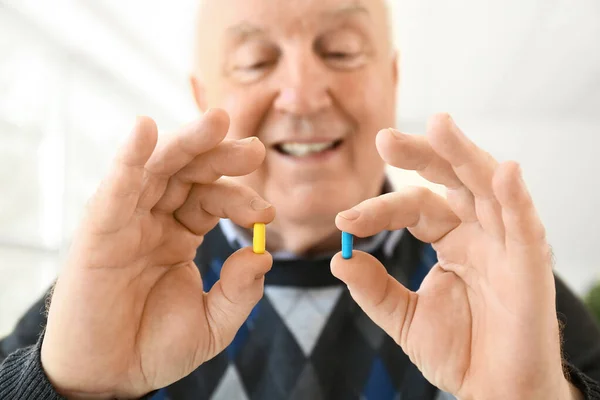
483	324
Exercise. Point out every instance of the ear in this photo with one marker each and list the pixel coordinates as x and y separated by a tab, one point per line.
396	67
199	92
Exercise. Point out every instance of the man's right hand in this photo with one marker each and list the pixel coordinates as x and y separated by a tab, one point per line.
128	314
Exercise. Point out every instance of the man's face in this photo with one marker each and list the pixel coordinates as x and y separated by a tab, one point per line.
314	80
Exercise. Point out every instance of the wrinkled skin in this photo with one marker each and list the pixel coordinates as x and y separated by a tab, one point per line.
128	314
483	324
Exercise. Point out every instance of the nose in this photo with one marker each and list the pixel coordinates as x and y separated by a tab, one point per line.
303	85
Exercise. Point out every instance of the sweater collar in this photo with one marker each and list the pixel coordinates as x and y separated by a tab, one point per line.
238	237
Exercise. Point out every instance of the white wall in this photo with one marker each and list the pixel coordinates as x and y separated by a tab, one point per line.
70	88
522	78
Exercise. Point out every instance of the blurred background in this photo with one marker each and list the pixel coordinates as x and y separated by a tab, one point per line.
522	77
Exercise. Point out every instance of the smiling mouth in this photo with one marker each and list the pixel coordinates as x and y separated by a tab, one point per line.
296	149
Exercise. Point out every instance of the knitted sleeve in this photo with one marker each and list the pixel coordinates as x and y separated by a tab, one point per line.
589	387
22	376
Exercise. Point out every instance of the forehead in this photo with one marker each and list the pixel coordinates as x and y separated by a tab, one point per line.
284	16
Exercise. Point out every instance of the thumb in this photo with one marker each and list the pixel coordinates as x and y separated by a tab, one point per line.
387	302
235	294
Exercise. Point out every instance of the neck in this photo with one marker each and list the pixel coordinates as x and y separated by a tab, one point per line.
303	239
310	237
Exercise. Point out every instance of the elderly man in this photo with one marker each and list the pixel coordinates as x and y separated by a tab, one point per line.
161	297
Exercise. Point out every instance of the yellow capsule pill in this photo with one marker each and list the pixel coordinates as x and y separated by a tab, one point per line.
259	241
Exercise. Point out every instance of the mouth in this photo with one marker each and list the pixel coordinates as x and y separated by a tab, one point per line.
305	150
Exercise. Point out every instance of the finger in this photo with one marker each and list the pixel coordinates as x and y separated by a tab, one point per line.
414	153
206	204
525	232
389	304
229	158
473	166
426	214
231	299
114	203
175	151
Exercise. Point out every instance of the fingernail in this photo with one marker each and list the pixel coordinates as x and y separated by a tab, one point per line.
520	176
396	133
452	125
350	214
247	140
259	204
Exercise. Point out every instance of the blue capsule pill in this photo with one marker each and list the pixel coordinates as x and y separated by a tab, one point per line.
347	239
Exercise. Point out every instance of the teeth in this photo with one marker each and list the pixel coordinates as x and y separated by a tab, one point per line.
305	149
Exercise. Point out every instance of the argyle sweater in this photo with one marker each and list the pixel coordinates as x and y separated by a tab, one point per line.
306	339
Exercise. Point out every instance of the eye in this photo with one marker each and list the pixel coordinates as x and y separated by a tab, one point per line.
342	49
253	71
340	55
344	59
258	65
253	60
